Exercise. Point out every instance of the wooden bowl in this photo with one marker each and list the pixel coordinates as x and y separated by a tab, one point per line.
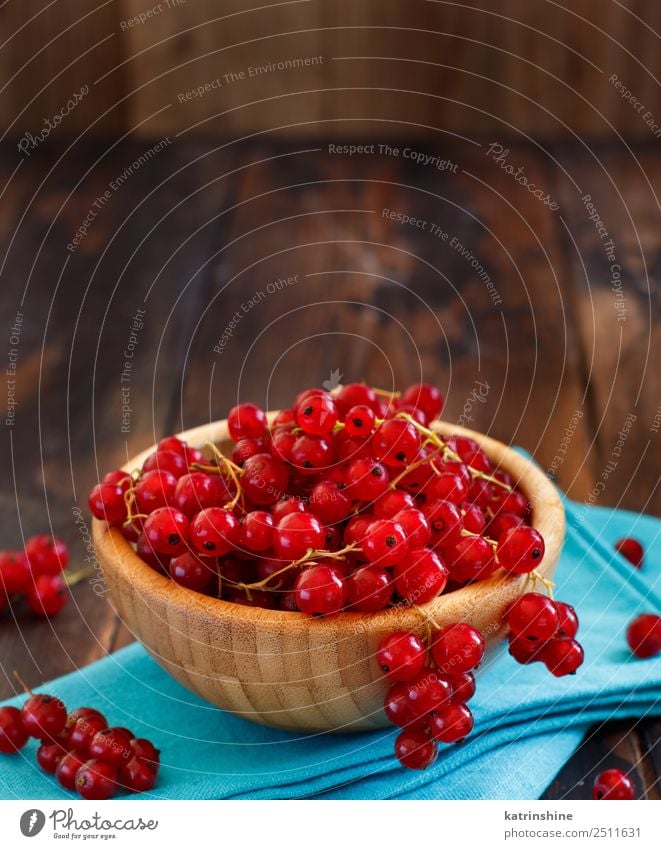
288	670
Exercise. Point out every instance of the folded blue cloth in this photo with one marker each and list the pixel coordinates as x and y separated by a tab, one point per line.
527	722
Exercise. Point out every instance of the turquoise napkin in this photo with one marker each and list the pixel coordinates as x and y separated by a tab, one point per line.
527	723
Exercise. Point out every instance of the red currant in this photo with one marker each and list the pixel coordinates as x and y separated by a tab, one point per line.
329	503
448	486
369	589
399	710
644	635
463	686
421	577
215	531
470	559
359	421
246	421
428	692
47	595
296	534
317	414
155	489
311	453
395	442
567	620
46	555
632	550
445	522
562	656
192	572
106	502
452	724
354	394
415	525
96	780
197	491
168	531
14	572
49	755
13	735
319	591
503	522
458	648
166	461
415	750
385	543
392	502
246	448
44	716
533	616
613	784
145	750
82	725
264	479
112	745
520	550
257	531
401	656
425	396
525	651
138	775
367	479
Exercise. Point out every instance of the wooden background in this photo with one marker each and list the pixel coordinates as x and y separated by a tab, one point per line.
504	67
252	195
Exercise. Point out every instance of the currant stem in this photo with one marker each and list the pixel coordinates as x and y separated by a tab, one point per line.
548	585
22	683
492	542
73	578
310	555
232	470
407	469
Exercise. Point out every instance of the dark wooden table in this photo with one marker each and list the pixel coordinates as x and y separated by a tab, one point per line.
490	286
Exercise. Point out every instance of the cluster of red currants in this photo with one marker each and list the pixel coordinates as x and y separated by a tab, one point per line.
79	748
345	501
542	629
429	702
36	574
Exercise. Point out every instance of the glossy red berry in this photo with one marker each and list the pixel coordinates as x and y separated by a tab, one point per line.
166	461
310	454
246	448
448	486
399	710
401	656
246	421
264	479
415	750
44	716
67	768
13	735
96	780
421	576
47	595
463	686
81	727
49	755
317	414
155	489
106	502
369	589
392	502
503	522
425	396
138	775
145	749
470	559
562	656
215	531
296	534
415	525
359	421
193	572
451	724
168	531
632	550
445	522
46	555
520	550
395	442
197	491
525	651
385	543
567	620
473	518
257	531
613	784
428	692
533	616
112	745
319	591
329	502
118	478
14	572
354	394
458	648
367	479
644	635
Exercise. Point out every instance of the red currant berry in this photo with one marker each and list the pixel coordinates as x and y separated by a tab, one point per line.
246	448
144	550
82	725
317	414
613	784
46	555
533	616
367	479
356	530
511	502
168	531
14	572
264	479
392	502
428	692
503	522
67	769
520	550
47	595
311	453
562	656
415	525
246	421
396	443
463	687
145	749
632	550
44	716
399	711
470	559
285	507
425	396
257	531
154	490
215	531
49	755
401	656
359	421
567	620
355	394
166	461
13	735
525	651
192	572
369	589
258	598
172	443
470	453
137	775
385	543
319	591
96	780
448	486
421	577
106	502
197	491
415	750
329	503
112	745
452	724
282	444
644	635
296	534
415	412
473	518
445	522
118	478
458	648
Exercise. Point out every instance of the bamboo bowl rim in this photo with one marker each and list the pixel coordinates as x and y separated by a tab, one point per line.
547	517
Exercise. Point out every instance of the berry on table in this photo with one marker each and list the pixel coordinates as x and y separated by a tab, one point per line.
112	745
13	734
14	572
138	775
67	768
613	784
47	595
44	716
49	755
96	780
630	548
644	635
46	555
